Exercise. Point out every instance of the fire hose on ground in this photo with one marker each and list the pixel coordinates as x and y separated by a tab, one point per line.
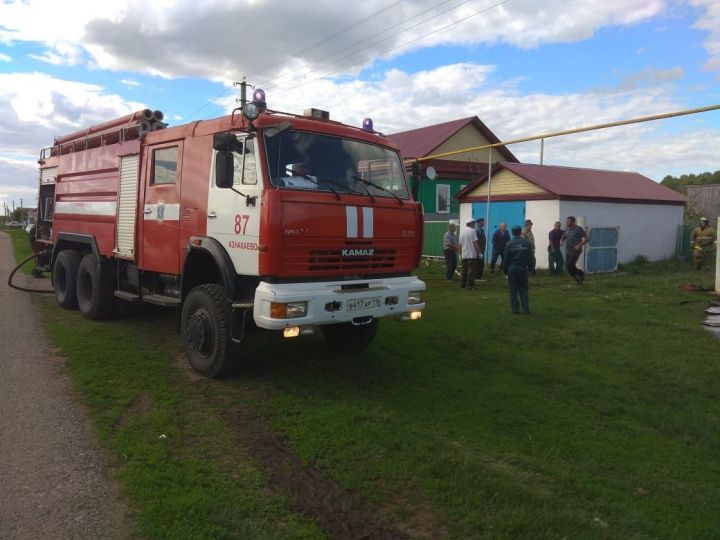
19	288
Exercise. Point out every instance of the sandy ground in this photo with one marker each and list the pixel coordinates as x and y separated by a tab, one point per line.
54	481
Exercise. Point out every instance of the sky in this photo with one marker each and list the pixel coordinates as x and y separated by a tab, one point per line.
524	67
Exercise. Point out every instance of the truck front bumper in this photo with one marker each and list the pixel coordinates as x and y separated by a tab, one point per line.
333	302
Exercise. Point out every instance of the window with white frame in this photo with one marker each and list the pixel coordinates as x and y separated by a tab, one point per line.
442	198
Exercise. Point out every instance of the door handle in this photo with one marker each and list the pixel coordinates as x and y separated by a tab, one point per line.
148	211
211	214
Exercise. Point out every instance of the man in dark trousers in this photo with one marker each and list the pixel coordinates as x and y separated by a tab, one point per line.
499	240
450	249
574	239
555	258
482	243
468	255
518	260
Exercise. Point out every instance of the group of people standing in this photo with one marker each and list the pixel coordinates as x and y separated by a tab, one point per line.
516	255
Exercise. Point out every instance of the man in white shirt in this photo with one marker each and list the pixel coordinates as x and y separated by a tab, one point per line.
469	250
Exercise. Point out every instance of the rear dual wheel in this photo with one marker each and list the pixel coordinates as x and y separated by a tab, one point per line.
64	278
83	282
94	289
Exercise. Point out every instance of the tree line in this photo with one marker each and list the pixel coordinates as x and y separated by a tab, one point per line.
680	183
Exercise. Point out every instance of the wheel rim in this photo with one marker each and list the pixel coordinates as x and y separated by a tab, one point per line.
199	333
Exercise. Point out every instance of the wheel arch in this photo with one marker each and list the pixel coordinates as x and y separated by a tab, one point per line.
207	261
83	243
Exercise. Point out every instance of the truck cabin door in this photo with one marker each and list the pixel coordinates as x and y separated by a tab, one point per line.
234	219
161	209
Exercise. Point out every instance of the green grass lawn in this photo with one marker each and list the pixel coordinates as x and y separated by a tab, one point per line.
22	247
595	417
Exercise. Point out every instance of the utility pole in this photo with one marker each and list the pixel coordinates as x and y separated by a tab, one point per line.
243	91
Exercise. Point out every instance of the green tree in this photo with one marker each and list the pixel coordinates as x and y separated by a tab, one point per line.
680	183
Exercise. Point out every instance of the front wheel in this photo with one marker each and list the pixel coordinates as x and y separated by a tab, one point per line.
206	331
350	336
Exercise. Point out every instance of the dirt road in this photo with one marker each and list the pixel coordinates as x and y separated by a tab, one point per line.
54	481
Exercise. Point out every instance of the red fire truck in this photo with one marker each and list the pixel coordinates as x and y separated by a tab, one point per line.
260	218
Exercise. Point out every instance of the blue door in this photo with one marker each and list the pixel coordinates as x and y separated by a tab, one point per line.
509	212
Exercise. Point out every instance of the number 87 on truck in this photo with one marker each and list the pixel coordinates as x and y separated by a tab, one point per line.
258	219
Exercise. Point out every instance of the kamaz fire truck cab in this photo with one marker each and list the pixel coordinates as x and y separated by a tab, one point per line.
289	222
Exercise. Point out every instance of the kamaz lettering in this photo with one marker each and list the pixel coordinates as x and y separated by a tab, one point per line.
369	252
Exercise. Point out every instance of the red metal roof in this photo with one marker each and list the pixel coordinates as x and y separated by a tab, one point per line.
577	183
418	143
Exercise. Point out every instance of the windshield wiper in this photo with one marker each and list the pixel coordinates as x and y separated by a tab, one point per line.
368	192
381	188
339	185
317	183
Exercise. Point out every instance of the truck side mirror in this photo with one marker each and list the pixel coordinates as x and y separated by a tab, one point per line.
224	160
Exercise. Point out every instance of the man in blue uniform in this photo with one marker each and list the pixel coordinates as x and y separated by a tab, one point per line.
518	260
500	238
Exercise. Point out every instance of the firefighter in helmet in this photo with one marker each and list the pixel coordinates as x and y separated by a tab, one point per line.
702	241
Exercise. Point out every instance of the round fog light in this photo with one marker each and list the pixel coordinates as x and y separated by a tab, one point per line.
251	111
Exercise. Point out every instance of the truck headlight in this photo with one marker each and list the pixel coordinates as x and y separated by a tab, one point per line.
289	310
416	297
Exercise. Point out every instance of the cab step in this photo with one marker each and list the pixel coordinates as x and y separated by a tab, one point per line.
161	300
127	296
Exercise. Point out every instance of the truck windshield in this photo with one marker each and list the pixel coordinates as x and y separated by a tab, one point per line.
302	160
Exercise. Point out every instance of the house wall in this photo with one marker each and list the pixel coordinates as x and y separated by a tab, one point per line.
505	182
465	138
428	196
645	229
465	213
543	214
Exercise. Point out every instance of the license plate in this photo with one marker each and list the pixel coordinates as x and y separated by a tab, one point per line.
357	304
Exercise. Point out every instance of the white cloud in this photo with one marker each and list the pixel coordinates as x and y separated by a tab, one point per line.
5	58
34	108
18	180
60	54
130	83
399	101
710	22
212	39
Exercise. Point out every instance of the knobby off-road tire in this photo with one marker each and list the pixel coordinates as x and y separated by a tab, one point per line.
205	327
349	336
64	278
94	289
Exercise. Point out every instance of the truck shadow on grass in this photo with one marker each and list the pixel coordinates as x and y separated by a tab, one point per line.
270	363
303	368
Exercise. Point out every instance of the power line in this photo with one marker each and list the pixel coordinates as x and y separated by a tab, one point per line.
225	91
334	35
570	131
396	47
316	67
